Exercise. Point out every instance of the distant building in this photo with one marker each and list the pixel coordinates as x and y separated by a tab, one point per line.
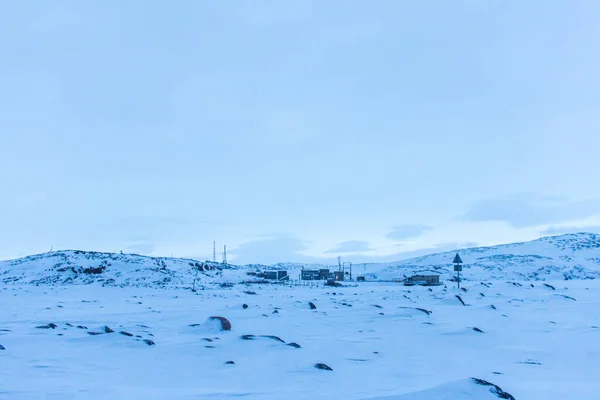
424	280
321	275
277	275
360	279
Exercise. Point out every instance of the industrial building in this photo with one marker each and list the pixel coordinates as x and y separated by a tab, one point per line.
321	275
423	280
277	275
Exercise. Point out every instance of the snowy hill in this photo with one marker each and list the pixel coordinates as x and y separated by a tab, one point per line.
111	269
572	256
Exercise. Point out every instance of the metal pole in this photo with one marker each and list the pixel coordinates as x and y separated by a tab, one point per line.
459	278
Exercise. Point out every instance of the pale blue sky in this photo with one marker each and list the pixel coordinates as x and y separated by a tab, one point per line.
296	130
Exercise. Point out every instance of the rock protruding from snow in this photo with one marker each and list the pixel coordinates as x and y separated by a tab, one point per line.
467	389
323	367
224	322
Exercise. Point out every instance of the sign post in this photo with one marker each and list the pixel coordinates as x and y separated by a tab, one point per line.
457	267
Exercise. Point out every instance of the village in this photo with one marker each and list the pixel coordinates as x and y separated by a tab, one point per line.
334	277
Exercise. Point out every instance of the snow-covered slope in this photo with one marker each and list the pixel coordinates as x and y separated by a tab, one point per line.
572	256
110	269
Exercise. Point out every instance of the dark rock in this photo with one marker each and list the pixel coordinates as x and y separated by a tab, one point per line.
482	295
207	339
68	324
567	297
94	270
418	309
244	306
108	330
494	389
323	367
225	324
254	337
229	362
81	327
2	347
250	292
378	306
549	286
461	300
276	312
277	338
464	289
294	345
94	333
209	347
312	305
493	306
476	329
49	326
126	333
149	342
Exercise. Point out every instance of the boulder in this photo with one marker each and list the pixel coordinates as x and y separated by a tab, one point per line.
225	324
323	367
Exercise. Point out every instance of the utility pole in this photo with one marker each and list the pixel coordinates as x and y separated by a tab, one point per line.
339	263
225	254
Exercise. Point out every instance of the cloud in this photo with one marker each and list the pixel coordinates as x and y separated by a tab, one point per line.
289	248
141	248
408	231
351	246
561	230
271	250
526	211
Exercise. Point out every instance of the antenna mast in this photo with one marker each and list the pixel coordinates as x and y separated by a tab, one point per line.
225	254
214	251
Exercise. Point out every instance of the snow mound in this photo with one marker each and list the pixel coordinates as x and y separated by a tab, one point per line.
468	389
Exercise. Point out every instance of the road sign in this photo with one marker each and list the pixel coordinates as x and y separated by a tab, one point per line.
457	267
457	259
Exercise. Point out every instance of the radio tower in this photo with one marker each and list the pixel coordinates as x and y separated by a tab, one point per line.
224	254
214	251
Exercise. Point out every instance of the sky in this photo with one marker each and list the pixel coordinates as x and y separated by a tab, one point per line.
297	130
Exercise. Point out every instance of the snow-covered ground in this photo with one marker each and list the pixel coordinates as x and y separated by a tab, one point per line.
536	343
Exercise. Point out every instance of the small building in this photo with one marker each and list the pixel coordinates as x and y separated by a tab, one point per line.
317	275
309	275
424	280
338	275
360	279
277	275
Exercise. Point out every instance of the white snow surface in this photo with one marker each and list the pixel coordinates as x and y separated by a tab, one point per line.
536	344
536	337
